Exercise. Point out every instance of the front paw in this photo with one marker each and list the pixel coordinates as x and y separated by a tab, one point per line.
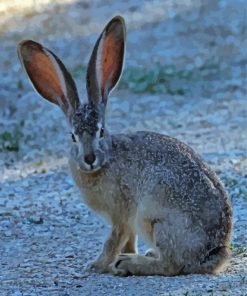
123	265
98	266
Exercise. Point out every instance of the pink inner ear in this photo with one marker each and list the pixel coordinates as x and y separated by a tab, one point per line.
112	57
42	72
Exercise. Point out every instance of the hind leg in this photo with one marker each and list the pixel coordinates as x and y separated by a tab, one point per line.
181	250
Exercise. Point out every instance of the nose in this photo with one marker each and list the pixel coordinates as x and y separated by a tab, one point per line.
89	158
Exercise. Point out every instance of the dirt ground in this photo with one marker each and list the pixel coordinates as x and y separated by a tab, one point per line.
198	48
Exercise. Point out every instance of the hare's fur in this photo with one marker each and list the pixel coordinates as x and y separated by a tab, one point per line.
157	187
144	183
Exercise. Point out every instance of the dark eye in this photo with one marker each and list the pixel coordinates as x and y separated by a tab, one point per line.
73	138
102	131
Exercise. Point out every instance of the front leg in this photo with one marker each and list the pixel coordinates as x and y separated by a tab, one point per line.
112	247
130	246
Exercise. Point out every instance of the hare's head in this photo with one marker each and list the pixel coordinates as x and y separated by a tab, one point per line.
54	83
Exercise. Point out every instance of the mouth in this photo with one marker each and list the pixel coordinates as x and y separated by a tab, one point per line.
89	169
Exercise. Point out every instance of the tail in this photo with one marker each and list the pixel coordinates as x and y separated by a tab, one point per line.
216	261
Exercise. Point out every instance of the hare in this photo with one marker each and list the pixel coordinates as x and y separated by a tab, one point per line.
144	183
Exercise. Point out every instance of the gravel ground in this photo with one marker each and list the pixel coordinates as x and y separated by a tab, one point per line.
47	236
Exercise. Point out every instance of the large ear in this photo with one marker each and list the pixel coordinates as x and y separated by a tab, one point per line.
106	62
49	76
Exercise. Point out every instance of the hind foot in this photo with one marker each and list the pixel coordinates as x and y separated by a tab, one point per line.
126	265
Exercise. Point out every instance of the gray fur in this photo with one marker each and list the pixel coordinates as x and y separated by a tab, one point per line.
86	119
157	180
150	185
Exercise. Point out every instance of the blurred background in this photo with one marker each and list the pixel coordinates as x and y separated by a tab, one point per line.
185	75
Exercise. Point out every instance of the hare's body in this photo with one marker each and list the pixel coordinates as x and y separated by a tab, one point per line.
182	197
143	183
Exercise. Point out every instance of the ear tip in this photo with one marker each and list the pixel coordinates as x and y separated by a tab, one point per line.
24	43
119	20
27	44
25	48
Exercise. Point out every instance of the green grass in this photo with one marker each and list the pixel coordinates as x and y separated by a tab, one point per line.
157	79
238	249
10	140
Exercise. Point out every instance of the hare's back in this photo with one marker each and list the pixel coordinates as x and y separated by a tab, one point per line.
162	164
158	152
